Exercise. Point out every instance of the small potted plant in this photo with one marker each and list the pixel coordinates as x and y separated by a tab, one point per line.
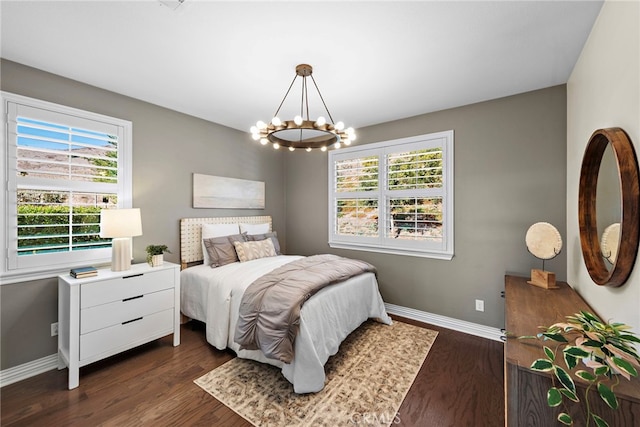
606	349
154	254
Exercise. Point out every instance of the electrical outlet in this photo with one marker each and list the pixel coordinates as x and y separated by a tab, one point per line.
479	305
54	329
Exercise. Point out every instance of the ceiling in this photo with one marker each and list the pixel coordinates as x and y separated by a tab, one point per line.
232	62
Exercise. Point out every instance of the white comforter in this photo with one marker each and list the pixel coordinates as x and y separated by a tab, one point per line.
213	295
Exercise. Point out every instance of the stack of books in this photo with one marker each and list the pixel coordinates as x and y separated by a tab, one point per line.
82	272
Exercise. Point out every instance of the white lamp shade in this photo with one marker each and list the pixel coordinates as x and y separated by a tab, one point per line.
120	223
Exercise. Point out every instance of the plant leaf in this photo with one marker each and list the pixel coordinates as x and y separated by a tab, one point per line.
599	421
601	370
614	368
590	316
591	343
587	376
625	366
607	395
554	397
542	365
565	379
569	395
549	353
555	337
565	419
576	351
570	360
628	337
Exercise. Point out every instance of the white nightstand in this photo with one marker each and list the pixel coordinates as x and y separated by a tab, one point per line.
114	311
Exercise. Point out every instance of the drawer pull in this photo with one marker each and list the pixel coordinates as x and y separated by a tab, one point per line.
129	299
133	275
132	320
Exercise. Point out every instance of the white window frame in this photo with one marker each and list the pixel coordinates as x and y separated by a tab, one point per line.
443	250
50	265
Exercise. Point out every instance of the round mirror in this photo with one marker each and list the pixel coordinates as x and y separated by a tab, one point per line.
608	203
589	208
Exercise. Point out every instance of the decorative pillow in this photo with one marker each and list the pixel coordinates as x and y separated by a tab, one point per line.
248	251
216	230
255	228
273	236
221	250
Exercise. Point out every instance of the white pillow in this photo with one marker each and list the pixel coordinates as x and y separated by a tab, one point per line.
216	230
255	228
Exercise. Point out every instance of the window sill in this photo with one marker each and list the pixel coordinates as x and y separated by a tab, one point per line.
11	277
393	251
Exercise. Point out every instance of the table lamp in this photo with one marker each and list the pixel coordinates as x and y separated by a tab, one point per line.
121	225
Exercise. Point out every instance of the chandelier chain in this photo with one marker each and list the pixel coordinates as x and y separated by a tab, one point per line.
285	96
322	99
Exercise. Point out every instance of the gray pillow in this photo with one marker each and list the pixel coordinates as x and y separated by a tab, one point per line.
221	250
272	235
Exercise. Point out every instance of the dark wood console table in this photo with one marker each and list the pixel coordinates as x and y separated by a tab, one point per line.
526	308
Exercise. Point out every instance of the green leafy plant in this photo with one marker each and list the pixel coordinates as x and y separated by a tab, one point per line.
606	349
156	250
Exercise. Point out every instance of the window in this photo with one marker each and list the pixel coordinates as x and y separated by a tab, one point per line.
394	196
63	166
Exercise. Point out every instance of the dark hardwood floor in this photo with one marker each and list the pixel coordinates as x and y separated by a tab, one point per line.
460	384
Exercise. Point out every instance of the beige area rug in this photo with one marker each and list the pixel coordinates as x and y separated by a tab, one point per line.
366	382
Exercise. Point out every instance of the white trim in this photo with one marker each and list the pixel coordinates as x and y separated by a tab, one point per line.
483	331
44	266
443	250
48	363
28	370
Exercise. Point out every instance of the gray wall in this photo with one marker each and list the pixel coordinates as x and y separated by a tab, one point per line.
510	172
168	147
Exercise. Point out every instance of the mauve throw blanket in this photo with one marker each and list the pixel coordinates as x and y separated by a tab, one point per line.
269	315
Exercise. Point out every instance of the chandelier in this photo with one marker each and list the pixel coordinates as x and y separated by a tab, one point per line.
302	132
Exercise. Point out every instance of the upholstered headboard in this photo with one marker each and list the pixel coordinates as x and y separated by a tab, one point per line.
191	234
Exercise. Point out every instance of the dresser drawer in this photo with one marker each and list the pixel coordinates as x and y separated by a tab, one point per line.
113	313
118	289
112	340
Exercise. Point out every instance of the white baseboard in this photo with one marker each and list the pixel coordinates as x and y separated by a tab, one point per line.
446	322
48	363
28	370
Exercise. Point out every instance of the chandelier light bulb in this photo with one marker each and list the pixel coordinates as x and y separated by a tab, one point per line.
324	148
321	121
255	136
297	120
339	126
346	141
350	131
276	145
308	149
264	141
261	125
336	145
291	149
352	137
276	121
254	129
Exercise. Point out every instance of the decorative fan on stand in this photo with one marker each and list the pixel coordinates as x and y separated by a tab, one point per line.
543	241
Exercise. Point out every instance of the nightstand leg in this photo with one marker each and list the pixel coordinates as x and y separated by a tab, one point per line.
74	375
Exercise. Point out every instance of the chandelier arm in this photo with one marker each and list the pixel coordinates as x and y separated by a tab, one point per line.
306	94
285	96
302	92
322	99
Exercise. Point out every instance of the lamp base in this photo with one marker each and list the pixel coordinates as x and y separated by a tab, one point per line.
121	254
543	279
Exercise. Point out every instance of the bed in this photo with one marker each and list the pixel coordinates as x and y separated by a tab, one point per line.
213	295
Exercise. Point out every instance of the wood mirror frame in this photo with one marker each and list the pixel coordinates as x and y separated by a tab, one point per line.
627	163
